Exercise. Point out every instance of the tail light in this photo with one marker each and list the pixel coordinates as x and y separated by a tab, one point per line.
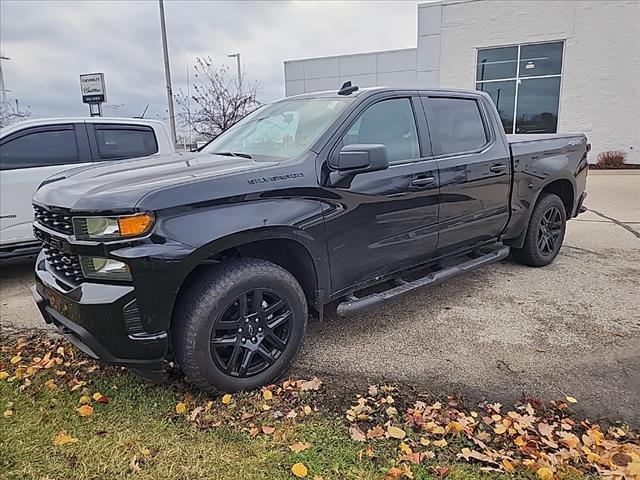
588	147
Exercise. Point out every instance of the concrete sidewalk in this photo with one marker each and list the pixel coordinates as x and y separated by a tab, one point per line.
572	328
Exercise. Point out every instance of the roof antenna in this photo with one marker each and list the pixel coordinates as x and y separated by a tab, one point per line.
347	89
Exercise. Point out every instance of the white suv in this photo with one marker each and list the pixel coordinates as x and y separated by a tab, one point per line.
34	150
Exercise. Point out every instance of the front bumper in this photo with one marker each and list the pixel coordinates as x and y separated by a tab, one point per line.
100	319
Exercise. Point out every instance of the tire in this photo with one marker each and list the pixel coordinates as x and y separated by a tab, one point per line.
211	325
548	221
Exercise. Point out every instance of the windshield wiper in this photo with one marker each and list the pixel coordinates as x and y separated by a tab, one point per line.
233	154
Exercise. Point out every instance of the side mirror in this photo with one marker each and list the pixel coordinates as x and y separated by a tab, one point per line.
360	158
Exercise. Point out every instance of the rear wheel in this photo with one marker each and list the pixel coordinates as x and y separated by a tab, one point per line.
545	232
240	325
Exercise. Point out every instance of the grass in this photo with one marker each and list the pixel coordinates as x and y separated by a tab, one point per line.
166	431
140	416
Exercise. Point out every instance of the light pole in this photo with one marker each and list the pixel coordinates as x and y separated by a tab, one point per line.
167	73
237	57
115	108
3	91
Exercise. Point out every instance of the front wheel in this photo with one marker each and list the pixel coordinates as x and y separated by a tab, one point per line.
545	232
239	326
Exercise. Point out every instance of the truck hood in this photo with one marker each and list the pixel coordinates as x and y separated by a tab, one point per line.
120	185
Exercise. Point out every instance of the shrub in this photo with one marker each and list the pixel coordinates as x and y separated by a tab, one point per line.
611	159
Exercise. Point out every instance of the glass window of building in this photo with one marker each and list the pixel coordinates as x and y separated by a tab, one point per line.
524	83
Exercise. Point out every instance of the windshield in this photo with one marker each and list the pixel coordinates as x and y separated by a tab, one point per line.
282	129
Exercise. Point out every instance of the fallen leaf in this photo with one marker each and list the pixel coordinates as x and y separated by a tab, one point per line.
7	413
396	432
307	410
508	466
85	410
267	395
84	399
50	384
4	375
15	359
440	443
313	384
226	398
299	447
357	434
103	400
62	438
134	464
299	470
181	408
375	432
267	429
544	473
96	396
571	399
500	429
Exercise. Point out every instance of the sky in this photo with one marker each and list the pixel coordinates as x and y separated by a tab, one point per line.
50	43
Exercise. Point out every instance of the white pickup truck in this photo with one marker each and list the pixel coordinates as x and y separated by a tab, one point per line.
33	150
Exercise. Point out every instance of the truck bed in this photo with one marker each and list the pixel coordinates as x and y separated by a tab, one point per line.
528	146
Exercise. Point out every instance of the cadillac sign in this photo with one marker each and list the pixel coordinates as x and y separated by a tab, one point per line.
92	86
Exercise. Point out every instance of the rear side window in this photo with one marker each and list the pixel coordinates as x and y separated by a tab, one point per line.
456	125
116	143
391	123
40	148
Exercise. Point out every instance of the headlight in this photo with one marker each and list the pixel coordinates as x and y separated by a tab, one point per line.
112	228
104	268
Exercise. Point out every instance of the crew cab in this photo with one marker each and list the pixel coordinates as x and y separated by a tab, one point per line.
32	150
216	258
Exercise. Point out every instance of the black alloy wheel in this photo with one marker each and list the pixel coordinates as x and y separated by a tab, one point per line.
544	234
551	225
251	333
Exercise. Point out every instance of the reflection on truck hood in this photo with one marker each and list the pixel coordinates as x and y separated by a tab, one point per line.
120	185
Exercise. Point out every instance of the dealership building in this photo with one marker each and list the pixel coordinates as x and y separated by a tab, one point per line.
550	66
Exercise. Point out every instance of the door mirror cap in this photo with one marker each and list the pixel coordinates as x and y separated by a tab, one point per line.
360	158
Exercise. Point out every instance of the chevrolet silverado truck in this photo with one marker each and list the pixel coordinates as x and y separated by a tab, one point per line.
350	197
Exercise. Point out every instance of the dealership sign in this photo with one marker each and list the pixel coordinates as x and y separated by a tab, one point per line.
93	89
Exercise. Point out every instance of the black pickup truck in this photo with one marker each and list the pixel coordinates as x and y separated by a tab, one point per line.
354	197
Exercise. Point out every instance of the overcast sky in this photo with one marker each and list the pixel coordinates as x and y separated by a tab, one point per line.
51	42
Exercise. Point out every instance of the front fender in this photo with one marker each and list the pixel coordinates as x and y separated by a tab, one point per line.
214	229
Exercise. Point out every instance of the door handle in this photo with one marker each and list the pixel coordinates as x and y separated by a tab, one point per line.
497	168
422	181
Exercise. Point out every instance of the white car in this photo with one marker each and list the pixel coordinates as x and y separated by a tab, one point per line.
33	150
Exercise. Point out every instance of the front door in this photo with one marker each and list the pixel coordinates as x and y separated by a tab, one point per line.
383	221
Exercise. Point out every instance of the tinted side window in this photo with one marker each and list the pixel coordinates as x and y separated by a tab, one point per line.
456	125
118	143
391	123
40	148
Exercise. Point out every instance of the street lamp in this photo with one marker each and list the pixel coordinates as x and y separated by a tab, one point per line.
3	91
237	57
115	108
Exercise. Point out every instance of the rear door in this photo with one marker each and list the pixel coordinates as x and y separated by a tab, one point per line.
475	170
383	221
27	158
121	141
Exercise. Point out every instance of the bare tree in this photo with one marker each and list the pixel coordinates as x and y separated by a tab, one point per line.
10	113
217	101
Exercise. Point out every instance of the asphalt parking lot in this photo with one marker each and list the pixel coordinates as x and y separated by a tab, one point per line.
502	332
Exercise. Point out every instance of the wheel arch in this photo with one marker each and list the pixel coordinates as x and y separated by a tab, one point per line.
563	188
286	247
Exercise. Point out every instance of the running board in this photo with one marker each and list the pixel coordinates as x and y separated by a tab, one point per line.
354	304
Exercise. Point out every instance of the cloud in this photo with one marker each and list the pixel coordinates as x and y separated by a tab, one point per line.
51	42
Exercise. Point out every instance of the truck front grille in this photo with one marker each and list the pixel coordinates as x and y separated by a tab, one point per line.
55	218
65	265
